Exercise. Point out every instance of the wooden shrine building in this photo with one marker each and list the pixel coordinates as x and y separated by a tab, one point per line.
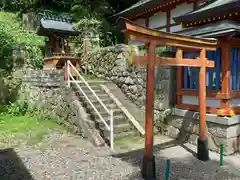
58	29
200	18
217	19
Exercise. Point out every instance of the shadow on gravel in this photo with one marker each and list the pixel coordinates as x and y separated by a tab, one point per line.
11	166
185	168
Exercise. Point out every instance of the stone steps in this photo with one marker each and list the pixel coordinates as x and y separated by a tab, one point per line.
106	134
118	128
118	119
122	126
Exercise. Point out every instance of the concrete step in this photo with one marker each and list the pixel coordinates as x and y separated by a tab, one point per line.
90	93
119	128
104	113
118	119
99	106
92	97
104	101
85	88
119	135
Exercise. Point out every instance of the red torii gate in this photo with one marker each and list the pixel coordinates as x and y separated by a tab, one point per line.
153	38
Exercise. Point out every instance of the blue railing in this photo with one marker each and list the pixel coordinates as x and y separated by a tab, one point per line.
191	74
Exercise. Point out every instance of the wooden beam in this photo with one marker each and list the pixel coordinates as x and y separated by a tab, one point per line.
191	107
212	94
177	39
164	61
168	42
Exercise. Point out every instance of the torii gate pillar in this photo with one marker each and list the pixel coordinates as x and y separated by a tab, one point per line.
148	164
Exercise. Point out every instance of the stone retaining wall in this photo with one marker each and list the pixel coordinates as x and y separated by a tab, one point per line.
186	128
112	63
46	93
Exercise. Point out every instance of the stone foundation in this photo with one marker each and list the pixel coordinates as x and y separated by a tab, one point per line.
184	125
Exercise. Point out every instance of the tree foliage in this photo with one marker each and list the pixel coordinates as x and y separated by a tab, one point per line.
12	35
99	10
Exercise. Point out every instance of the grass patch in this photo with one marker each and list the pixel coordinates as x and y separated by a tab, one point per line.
25	128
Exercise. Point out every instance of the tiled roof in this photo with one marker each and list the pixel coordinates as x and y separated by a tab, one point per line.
213	30
135	6
58	23
209	9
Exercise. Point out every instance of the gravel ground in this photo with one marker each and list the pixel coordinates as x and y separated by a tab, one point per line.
68	157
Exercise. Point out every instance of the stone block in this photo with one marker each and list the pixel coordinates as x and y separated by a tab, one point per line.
218	134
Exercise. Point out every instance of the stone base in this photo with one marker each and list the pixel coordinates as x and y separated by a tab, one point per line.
202	150
186	128
148	168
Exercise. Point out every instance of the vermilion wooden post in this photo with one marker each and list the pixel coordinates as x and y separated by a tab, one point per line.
226	73
202	150
148	166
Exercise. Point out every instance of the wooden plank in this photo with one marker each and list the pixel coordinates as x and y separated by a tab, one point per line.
218	69
210	71
210	93
234	69
235	94
186	85
191	107
197	77
179	84
191	78
238	67
164	61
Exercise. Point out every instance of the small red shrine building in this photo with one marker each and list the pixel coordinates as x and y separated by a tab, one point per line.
58	28
201	18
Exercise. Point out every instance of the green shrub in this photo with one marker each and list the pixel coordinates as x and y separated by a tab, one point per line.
12	34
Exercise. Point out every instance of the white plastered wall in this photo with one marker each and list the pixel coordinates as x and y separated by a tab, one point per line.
158	19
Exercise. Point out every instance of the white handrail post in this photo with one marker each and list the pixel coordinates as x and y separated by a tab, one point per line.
111	130
68	71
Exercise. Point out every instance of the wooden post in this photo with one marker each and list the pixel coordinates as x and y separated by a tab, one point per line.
202	149
148	167
226	73
179	54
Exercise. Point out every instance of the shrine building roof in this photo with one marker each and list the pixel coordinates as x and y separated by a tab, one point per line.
213	30
212	8
145	7
57	24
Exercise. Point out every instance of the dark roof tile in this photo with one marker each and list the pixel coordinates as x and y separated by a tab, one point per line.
212	30
139	4
209	10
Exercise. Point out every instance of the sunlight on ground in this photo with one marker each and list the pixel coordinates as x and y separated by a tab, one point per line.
25	128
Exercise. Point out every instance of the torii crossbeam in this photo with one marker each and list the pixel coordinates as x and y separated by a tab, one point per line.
154	38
